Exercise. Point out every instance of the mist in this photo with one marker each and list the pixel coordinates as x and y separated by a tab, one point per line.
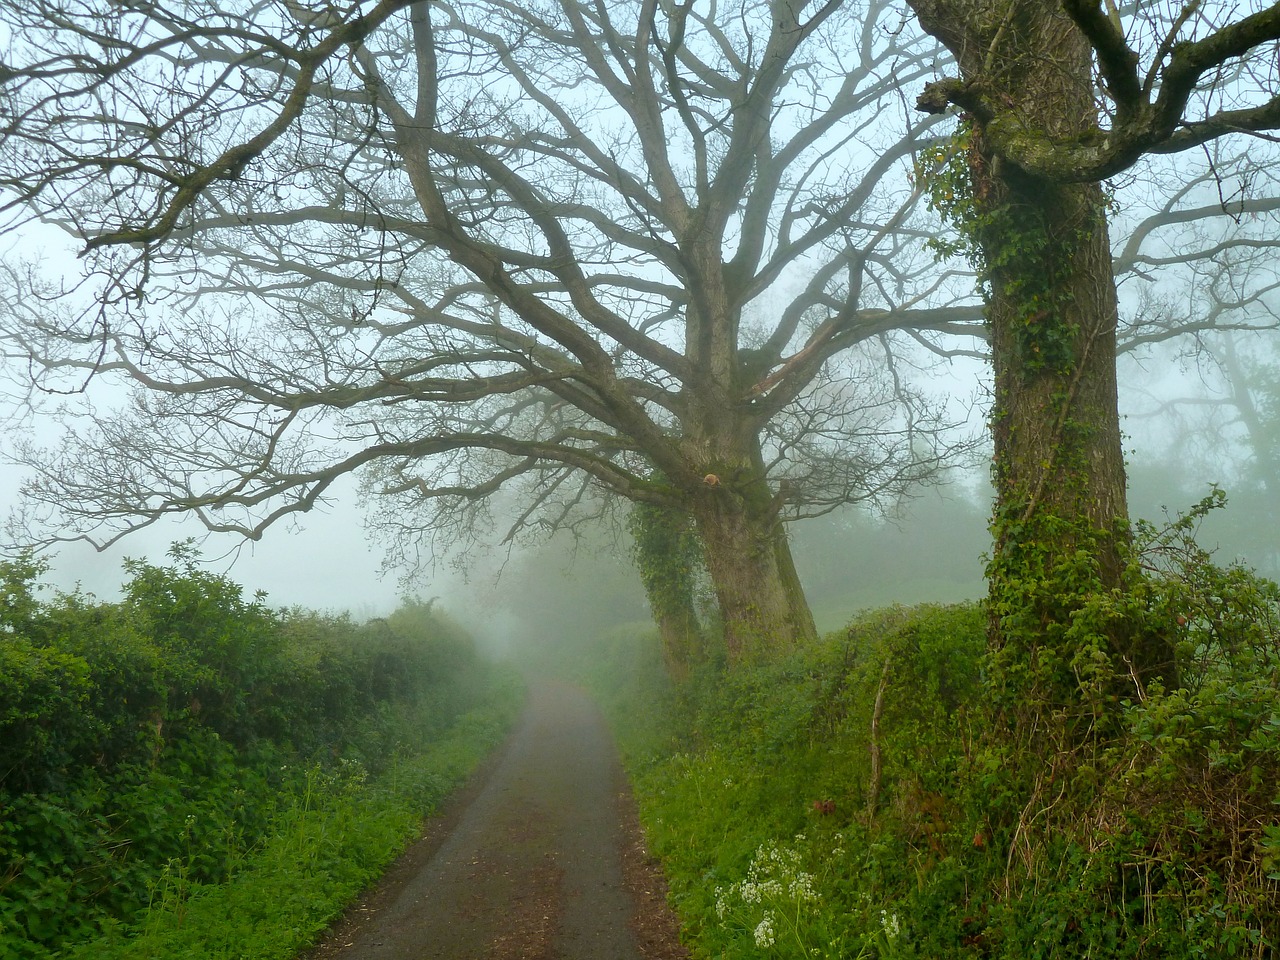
528	597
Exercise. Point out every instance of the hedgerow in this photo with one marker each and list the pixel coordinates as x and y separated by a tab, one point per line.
869	797
154	747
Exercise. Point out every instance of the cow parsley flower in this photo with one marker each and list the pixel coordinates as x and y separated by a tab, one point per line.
765	935
889	923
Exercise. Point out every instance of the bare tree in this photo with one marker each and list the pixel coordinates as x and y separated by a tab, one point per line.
1058	97
459	249
477	246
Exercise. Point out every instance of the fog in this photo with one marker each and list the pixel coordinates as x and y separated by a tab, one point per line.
1200	411
324	562
1184	436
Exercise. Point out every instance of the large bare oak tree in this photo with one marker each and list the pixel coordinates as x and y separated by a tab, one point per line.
472	247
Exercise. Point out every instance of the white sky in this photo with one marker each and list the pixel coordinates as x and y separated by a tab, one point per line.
323	561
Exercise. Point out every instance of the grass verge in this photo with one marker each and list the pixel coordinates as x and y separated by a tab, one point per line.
336	838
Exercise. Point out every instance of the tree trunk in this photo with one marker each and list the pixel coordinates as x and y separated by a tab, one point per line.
1061	522
762	604
669	557
749	559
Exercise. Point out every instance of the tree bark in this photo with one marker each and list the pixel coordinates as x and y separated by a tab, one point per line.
1061	521
761	601
670	556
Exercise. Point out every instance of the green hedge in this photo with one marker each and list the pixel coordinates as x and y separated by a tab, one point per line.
163	742
783	835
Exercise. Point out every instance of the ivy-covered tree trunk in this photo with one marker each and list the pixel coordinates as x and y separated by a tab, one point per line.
761	601
669	557
748	554
1061	522
737	536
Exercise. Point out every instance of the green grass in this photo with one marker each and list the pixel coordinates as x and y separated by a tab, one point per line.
759	794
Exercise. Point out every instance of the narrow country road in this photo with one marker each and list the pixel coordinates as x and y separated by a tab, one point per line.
540	858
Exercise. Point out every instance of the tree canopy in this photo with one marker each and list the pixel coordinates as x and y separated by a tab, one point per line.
468	246
465	248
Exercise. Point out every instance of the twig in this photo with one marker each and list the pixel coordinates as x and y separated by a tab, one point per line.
873	789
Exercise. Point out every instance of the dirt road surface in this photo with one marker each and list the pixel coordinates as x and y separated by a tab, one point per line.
539	858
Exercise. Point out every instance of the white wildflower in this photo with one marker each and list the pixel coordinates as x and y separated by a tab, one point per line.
889	923
801	889
765	935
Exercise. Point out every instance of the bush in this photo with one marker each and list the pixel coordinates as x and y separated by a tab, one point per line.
150	746
866	797
756	784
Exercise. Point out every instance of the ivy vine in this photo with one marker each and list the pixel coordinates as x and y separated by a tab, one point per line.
1006	236
668	555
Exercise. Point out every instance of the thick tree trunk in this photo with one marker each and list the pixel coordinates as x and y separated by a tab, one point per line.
762	604
1061	520
1055	422
1061	523
681	634
749	559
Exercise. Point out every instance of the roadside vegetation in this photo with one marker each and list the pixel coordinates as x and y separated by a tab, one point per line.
187	773
877	794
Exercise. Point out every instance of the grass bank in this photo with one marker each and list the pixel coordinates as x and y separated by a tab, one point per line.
859	798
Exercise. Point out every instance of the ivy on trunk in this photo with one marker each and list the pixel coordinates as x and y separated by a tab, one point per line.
1041	245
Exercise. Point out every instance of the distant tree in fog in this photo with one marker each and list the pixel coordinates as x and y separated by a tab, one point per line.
1219	423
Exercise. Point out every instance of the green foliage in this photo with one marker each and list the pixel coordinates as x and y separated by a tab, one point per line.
18	604
155	748
784	836
43	697
671	561
335	834
754	783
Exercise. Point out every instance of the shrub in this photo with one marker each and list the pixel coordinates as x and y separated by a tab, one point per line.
868	797
148	747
